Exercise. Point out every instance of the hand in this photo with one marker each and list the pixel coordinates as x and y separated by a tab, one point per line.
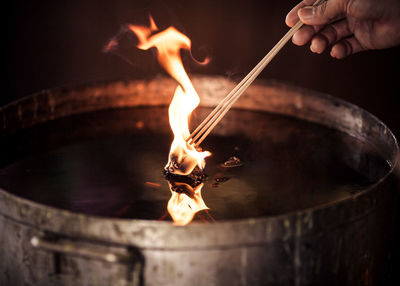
348	26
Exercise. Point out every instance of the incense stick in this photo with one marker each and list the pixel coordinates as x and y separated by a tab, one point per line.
208	124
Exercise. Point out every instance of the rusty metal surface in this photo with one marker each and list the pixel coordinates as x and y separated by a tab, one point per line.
346	241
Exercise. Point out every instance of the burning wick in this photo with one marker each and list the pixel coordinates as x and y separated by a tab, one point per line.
183	158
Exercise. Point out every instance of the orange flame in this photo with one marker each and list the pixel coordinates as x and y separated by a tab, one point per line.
185	203
183	157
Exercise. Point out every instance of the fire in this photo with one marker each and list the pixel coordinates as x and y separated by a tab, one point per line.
183	157
186	199
185	202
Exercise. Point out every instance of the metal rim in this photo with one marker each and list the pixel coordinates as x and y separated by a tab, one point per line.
164	235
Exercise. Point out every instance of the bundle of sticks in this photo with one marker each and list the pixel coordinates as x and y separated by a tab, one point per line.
208	124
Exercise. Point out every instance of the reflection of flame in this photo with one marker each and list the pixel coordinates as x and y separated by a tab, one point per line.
183	157
185	202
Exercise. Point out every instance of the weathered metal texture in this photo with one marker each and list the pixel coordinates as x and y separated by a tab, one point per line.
346	242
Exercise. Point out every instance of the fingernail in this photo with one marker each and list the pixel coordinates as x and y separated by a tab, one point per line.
306	13
312	48
334	53
286	20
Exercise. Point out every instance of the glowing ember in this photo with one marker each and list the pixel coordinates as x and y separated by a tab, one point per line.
185	202
183	157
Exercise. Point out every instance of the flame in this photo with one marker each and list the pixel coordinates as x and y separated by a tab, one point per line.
185	202
183	157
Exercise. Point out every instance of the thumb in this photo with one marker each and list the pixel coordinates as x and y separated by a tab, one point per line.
325	13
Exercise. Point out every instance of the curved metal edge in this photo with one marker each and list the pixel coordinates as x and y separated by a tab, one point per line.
196	236
163	235
72	248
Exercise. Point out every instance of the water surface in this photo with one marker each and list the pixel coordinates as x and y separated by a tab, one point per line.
110	163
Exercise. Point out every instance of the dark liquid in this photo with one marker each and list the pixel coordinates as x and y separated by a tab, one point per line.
110	163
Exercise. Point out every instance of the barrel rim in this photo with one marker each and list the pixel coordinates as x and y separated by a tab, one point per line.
164	235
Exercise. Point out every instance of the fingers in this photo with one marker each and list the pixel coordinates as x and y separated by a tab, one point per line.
322	36
325	13
305	34
346	47
292	17
325	25
338	35
329	35
316	16
322	14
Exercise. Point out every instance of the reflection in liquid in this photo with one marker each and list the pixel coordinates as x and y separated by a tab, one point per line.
289	165
185	202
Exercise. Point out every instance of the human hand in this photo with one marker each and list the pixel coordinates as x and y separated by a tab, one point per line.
348	26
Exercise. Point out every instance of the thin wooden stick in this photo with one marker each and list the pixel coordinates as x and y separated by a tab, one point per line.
208	124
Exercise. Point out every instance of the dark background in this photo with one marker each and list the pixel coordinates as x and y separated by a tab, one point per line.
59	43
